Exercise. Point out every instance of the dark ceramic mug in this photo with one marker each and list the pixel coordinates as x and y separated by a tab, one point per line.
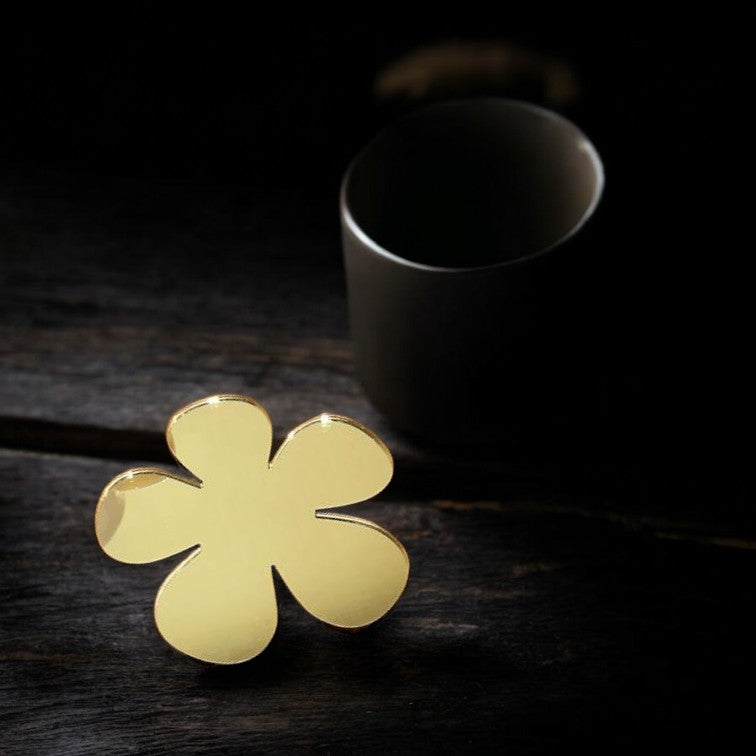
465	271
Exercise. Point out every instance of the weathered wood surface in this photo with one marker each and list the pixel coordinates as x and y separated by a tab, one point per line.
126	300
120	301
522	630
562	594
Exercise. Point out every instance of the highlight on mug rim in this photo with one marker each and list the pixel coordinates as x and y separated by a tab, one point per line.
583	144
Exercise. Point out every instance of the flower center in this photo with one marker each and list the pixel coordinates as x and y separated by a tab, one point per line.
242	520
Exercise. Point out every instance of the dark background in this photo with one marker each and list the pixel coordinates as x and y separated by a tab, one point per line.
278	108
636	560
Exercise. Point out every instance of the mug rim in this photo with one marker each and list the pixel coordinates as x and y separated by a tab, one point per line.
373	245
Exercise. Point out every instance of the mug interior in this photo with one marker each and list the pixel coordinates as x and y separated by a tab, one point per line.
473	183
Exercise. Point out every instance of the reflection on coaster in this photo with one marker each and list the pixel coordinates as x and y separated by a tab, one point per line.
244	513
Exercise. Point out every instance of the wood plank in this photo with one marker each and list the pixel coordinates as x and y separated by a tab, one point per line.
122	300
523	629
120	303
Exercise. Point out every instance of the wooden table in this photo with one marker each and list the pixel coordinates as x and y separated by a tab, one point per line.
561	596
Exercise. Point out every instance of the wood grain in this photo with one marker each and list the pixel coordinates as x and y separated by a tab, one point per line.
121	301
564	591
522	630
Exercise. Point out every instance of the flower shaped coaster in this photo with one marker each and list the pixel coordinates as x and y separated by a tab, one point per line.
244	514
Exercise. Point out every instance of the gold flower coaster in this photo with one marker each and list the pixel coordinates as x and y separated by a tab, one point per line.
244	514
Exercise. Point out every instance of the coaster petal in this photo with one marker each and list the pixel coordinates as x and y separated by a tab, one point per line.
345	571
221	436
215	614
144	515
330	461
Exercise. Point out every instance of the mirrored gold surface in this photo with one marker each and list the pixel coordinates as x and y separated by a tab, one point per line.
244	514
